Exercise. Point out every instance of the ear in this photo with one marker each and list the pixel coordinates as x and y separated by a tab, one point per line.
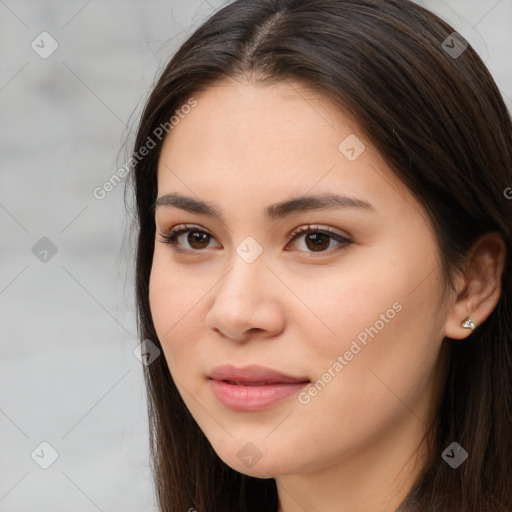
479	287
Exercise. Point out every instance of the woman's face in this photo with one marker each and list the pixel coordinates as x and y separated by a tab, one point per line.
361	320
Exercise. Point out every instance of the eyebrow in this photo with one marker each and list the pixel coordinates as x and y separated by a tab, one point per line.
271	212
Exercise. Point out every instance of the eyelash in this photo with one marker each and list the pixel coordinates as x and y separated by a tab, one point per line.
170	238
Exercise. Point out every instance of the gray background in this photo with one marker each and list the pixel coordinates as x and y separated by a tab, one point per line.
68	373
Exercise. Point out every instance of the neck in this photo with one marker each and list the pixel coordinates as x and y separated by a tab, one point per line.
376	478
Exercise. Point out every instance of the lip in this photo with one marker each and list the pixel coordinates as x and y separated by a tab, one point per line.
253	387
252	374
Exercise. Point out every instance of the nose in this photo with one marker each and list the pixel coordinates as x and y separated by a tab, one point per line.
246	302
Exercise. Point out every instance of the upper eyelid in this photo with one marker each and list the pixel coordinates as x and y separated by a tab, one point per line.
298	230
317	227
180	229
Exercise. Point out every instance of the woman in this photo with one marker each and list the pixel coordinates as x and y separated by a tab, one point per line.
324	260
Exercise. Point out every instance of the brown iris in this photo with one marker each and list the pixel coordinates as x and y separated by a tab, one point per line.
317	243
202	239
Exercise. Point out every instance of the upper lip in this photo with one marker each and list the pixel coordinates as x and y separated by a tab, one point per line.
252	374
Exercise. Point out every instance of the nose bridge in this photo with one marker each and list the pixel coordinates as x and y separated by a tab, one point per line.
242	295
245	279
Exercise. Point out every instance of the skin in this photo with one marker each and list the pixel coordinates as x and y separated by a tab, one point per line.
356	445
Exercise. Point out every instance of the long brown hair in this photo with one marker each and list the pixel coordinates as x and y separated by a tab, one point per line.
439	121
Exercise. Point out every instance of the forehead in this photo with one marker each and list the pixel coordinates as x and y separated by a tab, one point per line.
236	118
259	142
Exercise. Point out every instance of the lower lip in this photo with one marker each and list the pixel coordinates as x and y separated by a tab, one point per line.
253	398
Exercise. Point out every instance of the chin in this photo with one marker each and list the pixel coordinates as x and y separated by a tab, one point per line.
259	470
260	466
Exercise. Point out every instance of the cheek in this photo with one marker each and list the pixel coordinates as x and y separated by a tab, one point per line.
176	299
161	295
166	299
378	320
345	301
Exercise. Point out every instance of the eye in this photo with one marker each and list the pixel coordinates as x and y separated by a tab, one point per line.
197	238
317	238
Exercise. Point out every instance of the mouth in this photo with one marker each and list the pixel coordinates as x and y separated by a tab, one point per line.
252	375
250	383
252	388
